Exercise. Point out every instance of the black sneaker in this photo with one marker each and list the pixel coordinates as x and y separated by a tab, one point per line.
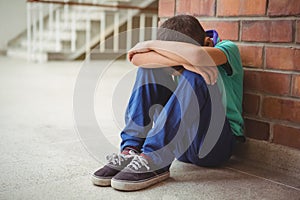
138	175
116	162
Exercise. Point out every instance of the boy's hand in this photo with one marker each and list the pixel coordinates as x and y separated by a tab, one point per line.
209	74
141	47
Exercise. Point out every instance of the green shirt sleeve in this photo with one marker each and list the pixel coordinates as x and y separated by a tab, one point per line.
231	86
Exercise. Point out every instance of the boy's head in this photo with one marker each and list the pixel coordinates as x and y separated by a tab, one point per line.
182	28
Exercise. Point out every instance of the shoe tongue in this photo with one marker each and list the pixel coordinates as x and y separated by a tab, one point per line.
146	157
132	152
129	151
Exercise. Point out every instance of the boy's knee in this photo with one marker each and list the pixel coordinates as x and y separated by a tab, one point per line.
192	76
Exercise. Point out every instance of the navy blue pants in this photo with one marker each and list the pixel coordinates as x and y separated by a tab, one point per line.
166	121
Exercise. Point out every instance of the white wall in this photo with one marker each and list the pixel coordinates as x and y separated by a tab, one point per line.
12	20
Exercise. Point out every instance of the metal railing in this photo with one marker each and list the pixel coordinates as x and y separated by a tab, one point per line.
73	27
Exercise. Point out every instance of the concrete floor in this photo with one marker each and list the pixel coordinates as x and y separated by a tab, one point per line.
44	157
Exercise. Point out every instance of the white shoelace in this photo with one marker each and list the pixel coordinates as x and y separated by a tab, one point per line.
138	162
117	159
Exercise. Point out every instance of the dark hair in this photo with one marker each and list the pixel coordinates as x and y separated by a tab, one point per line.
182	28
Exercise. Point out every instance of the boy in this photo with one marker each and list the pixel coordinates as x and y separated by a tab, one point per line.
190	110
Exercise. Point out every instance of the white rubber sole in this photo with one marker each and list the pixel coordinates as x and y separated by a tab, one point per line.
132	186
101	181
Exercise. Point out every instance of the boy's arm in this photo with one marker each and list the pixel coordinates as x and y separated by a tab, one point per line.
152	59
183	53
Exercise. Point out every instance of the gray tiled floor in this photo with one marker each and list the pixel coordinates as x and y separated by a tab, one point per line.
42	156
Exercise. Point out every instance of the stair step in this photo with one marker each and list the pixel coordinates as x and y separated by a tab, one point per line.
23	54
46	46
51	36
67	26
19	53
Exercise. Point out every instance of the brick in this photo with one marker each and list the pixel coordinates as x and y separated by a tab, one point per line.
166	8
203	7
228	7
281	109
287	136
283	7
196	7
296	86
183	7
241	8
267	82
227	30
257	129
251	104
283	58
267	31
252	56
298	32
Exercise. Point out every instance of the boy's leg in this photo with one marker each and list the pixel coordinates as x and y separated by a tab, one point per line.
188	114
185	118
152	86
220	153
215	146
152	89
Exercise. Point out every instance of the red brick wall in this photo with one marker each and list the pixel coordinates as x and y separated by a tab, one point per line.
268	35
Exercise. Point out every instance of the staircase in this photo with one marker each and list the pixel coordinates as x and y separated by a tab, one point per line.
69	30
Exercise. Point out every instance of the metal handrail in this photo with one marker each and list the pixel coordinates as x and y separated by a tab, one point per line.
73	3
